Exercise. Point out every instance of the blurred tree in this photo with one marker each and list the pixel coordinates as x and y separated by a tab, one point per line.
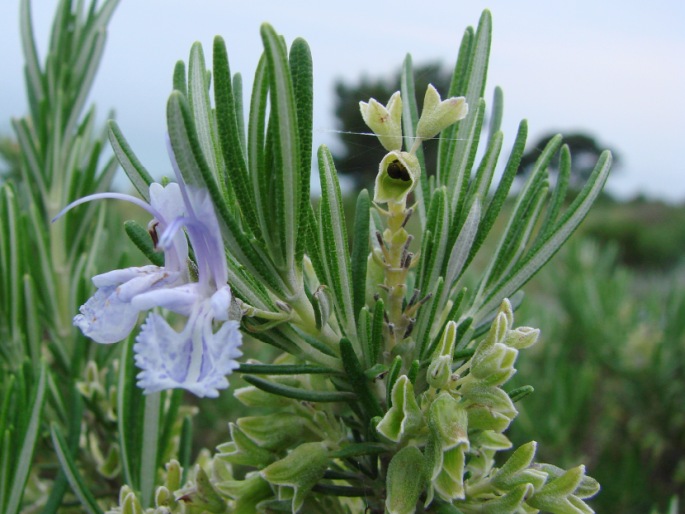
585	152
361	152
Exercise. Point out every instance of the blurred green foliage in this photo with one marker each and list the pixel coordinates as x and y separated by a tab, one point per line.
649	234
608	375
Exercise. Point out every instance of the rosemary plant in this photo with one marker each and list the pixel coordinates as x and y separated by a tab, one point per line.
390	392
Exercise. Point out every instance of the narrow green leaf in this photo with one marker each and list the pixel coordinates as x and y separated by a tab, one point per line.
260	173
360	250
129	416
497	113
239	113
546	248
230	135
185	447
283	369
410	117
136	172
28	443
376	342
358	380
393	375
34	74
78	485
179	78
286	143
435	249
460	77
196	172
149	456
462	152
298	393
333	238
301	69
559	195
465	155
141	238
495	205
359	449
203	117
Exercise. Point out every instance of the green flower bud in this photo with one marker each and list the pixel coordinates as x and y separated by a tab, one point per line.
439	114
301	469
243	450
251	396
275	431
110	466
202	497
587	488
131	505
516	470
404	417
439	372
246	493
448	421
510	502
398	174
491	397
440	369
163	497
557	494
490	440
494	365
173	475
449	483
386	122
522	337
405	481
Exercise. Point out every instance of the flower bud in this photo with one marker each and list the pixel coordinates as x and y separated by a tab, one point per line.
163	497
448	421
246	493
404	481
386	122
276	431
494	365
587	488
516	470
404	417
437	115
556	494
439	372
449	483
490	440
173	475
398	174
131	505
510	502
522	337
301	469
440	369
243	450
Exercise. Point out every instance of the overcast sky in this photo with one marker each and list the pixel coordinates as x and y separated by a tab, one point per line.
614	69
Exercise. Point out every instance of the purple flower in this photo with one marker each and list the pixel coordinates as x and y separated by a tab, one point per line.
203	352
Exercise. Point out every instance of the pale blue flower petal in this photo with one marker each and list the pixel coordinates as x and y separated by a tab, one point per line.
195	359
221	303
181	299
105	318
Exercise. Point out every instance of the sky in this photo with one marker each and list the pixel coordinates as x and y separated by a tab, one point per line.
613	69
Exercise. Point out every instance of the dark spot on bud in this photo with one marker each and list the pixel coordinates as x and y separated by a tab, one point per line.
152	230
398	171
